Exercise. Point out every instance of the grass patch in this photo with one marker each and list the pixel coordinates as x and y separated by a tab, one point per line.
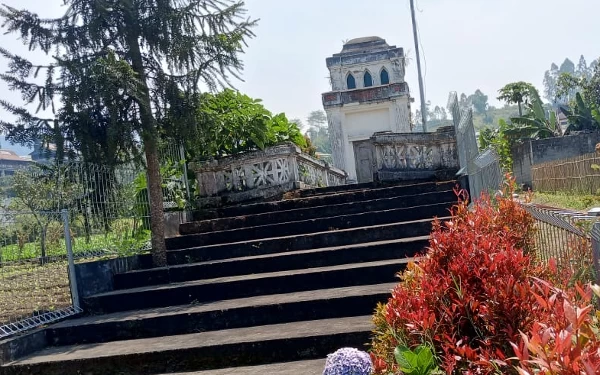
29	287
122	239
567	200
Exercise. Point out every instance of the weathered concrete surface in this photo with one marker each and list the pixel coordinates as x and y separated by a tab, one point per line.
188	250
314	367
285	261
228	314
206	350
363	219
245	176
411	156
22	345
352	196
243	286
97	276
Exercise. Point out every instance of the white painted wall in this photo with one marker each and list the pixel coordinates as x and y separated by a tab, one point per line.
357	122
361	125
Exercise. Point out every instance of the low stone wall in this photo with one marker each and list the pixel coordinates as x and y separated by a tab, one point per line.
261	174
411	156
533	152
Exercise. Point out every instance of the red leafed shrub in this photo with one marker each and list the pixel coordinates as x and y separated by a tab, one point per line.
471	294
565	342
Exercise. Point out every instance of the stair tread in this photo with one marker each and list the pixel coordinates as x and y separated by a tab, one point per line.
290	253
311	220
361	290
371	227
325	205
254	276
310	367
354	192
286	331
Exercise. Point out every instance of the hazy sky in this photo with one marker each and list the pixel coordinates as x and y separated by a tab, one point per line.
467	44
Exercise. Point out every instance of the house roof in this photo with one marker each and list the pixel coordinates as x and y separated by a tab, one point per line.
12	156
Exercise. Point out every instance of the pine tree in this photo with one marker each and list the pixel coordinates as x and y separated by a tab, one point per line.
119	67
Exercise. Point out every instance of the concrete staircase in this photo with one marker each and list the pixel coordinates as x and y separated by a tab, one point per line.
267	288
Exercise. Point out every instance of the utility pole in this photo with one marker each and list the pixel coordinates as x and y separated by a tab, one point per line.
423	106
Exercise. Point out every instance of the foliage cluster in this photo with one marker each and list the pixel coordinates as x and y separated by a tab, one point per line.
477	298
229	122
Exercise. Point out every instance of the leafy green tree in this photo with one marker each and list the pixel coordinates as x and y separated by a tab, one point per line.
583	71
550	82
42	191
516	93
317	118
567	67
319	131
591	89
567	86
479	101
128	63
229	122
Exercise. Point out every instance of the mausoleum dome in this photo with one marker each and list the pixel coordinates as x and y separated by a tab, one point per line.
365	44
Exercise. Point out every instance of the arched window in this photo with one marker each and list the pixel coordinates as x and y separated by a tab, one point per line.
368	79
350	82
384	77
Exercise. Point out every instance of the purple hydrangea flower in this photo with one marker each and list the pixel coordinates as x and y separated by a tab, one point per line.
348	361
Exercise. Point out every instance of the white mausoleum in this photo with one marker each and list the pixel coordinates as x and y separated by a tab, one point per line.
368	95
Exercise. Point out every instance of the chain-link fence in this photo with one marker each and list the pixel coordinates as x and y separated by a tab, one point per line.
564	236
482	168
87	210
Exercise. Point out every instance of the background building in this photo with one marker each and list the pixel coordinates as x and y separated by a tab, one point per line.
368	95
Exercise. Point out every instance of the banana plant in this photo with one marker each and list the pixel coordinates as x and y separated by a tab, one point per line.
582	117
536	123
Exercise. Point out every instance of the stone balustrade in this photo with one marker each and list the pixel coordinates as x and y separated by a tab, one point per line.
264	173
408	156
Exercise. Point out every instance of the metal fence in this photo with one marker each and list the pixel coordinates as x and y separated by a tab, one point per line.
565	236
482	168
576	175
34	289
50	214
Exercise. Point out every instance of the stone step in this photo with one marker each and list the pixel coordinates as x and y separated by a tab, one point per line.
320	212
364	252
337	198
311	192
192	253
224	288
258	345
323	224
237	313
308	367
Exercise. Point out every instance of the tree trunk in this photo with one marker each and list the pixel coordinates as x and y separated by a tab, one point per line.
149	138
157	224
520	109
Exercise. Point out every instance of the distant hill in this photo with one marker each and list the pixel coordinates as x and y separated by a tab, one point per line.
493	116
20	150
